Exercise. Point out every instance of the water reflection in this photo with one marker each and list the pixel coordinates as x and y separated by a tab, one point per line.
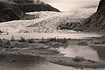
83	51
101	53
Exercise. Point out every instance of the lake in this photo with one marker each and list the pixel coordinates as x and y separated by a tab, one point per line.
83	51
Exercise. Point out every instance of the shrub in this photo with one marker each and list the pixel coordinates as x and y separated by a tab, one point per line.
42	39
12	38
8	42
52	39
43	42
0	42
31	40
78	59
56	45
62	40
103	41
22	39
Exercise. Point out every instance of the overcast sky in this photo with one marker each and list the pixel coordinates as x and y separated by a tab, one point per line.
66	5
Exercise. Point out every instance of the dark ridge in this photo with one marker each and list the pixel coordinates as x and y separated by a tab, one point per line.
101	7
35	7
15	9
31	5
96	22
8	13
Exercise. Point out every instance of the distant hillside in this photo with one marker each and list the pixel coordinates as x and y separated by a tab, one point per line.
16	9
31	5
94	23
35	7
81	14
8	13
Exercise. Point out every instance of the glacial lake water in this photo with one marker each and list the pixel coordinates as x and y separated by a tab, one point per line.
83	51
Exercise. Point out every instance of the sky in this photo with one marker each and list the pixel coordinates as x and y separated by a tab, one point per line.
66	5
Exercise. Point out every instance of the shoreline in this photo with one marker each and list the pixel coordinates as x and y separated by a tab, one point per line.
67	61
61	60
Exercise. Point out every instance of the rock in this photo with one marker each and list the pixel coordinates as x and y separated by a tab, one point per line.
68	26
101	7
16	9
8	13
35	7
96	22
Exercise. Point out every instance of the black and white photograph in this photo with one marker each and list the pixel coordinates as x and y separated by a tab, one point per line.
52	34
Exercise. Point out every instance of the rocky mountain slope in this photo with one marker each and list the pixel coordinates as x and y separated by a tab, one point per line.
30	5
16	9
8	13
96	22
46	21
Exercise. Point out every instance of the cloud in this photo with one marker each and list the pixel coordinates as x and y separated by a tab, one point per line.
66	5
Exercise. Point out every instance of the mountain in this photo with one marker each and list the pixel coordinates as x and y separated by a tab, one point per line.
16	9
96	22
31	5
80	14
8	13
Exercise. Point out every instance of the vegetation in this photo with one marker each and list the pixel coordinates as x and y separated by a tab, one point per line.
8	42
69	26
62	40
12	38
78	59
99	42
30	40
22	39
46	47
